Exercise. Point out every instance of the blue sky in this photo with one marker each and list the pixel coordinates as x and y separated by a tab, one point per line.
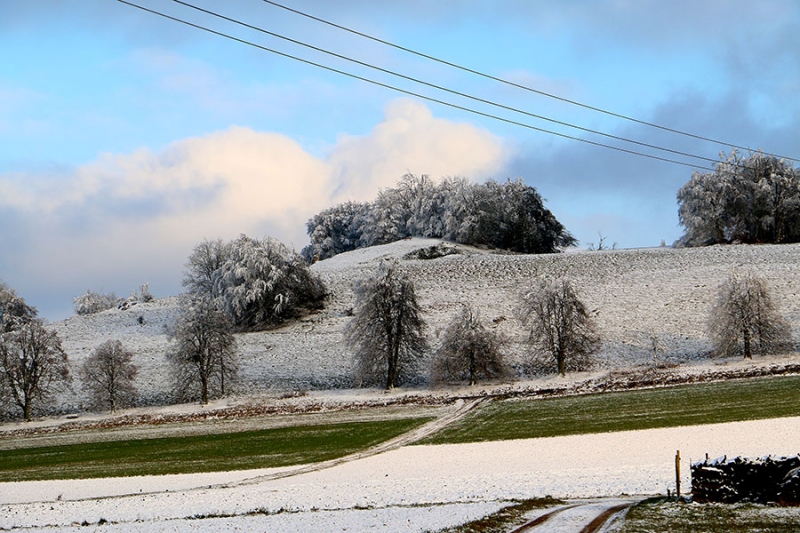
126	139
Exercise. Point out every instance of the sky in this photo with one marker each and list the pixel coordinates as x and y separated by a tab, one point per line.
127	138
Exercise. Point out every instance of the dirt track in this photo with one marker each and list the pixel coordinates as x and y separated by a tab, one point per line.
580	517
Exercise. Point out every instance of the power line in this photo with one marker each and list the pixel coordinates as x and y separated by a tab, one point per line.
412	93
519	85
445	89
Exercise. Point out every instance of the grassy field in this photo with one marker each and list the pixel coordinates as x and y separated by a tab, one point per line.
508	419
661	515
644	409
200	453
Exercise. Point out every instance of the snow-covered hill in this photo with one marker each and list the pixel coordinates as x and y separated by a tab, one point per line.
635	295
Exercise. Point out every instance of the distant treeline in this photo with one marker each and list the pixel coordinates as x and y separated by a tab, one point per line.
509	216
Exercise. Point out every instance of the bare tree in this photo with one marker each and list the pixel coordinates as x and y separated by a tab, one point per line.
205	355
387	331
468	351
744	318
203	265
108	374
559	325
32	365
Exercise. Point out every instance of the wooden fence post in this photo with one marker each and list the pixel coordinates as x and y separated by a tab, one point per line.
678	474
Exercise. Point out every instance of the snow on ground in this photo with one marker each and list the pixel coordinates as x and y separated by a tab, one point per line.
415	488
634	294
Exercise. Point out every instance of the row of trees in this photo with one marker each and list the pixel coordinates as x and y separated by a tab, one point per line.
387	334
34	366
510	216
752	199
387	331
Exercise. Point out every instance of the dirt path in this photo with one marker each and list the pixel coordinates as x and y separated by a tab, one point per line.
405	439
114	488
584	517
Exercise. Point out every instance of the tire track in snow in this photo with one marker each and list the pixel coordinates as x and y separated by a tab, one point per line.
570	518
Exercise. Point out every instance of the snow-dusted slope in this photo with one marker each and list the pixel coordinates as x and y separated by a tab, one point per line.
634	294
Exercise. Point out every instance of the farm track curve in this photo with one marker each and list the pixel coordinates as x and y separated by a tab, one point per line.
405	439
583	517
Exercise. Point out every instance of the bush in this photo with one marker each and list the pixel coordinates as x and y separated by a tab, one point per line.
257	283
92	302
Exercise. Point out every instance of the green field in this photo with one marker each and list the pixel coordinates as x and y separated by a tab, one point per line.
499	420
200	453
685	405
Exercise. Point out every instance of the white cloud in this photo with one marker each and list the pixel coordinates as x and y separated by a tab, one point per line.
410	139
128	218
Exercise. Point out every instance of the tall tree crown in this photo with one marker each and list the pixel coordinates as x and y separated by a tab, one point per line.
753	199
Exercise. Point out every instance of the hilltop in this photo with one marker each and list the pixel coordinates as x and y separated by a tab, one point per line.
636	295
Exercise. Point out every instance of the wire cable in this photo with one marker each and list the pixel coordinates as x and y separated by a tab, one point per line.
445	89
412	93
519	85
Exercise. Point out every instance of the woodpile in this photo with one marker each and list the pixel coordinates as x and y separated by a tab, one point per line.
764	480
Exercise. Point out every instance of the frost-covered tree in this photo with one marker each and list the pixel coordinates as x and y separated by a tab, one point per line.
387	329
13	309
258	283
92	302
559	327
509	215
468	350
513	217
263	283
744	318
753	199
336	230
387	220
428	205
204	358
108	374
33	365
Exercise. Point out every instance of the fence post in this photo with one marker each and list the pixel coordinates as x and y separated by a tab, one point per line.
678	474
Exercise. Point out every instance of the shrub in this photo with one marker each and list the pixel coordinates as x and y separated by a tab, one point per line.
92	302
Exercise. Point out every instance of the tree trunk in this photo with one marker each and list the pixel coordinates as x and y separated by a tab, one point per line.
391	371
562	363
204	394
26	410
748	354
472	370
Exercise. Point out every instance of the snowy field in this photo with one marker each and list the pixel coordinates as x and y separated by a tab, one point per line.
634	294
411	489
